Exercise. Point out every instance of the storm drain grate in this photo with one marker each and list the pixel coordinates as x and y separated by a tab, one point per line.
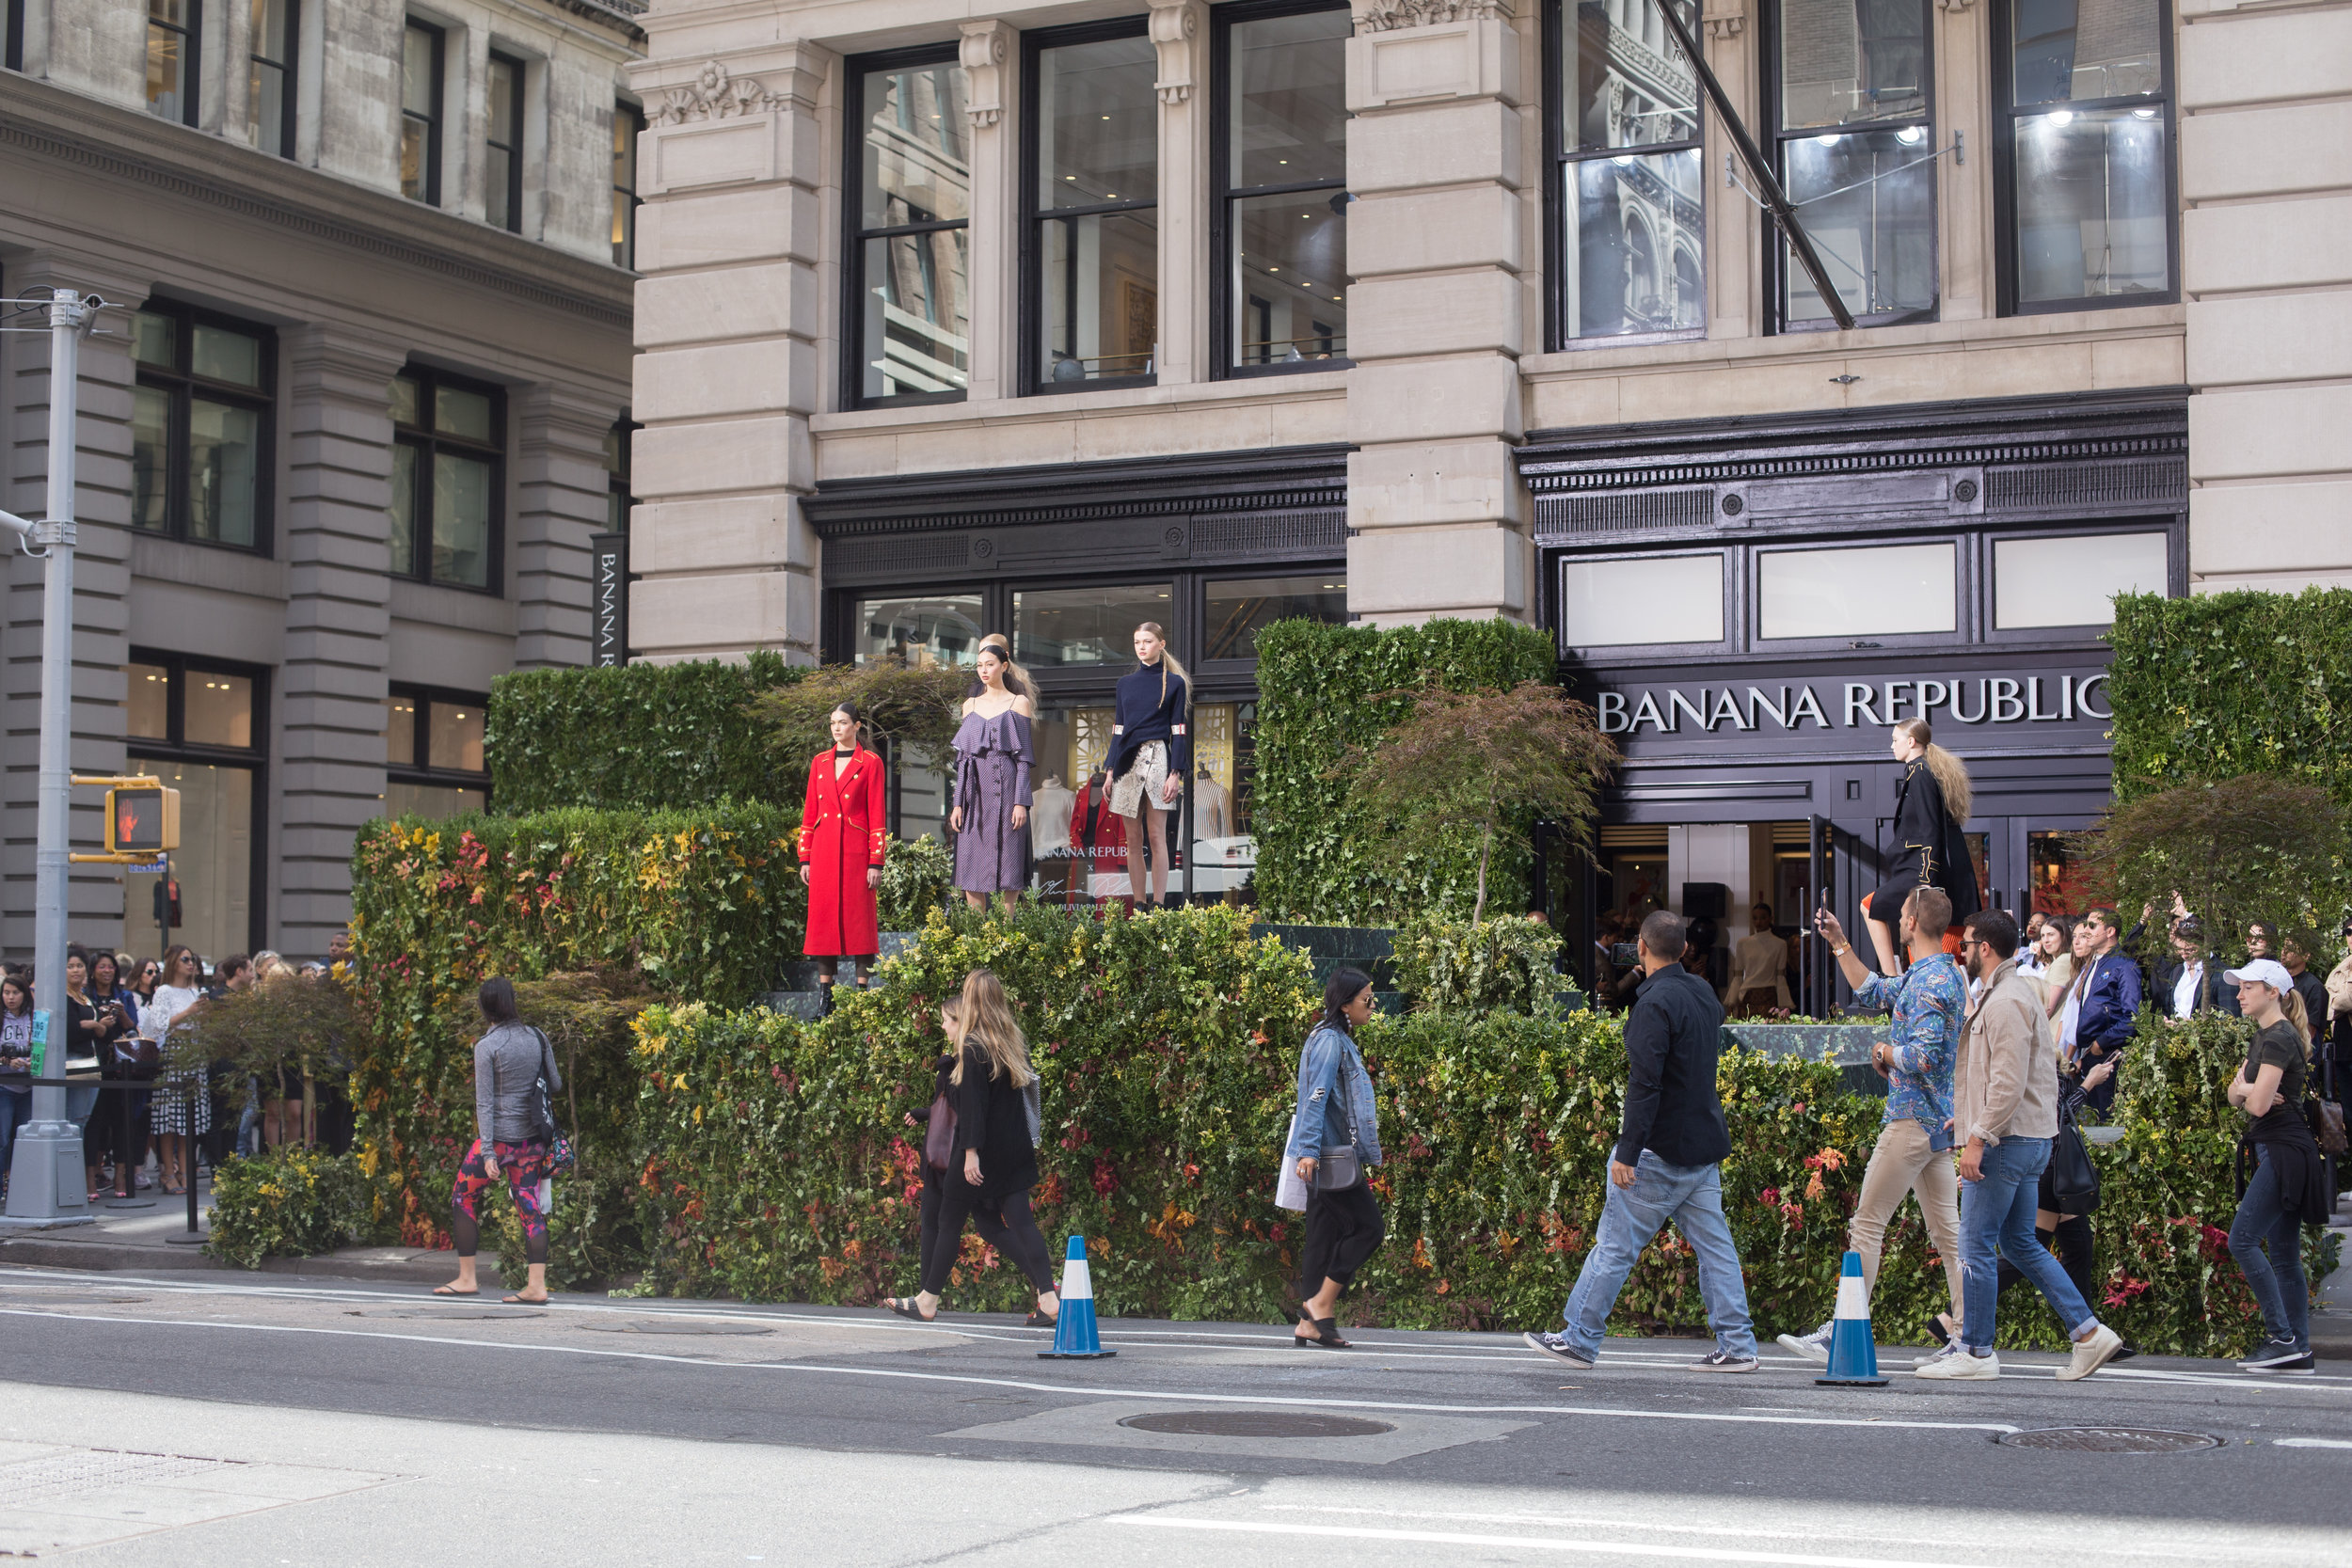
677	1328
2109	1440
1254	1423
49	1477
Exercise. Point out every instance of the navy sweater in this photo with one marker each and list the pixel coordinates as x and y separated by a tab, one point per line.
1145	713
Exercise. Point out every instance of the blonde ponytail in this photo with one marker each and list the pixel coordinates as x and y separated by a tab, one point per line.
2291	1004
1951	774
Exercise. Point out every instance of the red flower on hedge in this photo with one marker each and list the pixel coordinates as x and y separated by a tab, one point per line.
1106	1178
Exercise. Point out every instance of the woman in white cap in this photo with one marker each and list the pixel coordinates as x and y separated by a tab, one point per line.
2289	1186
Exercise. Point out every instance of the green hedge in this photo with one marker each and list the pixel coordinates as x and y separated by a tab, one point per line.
707	902
1496	964
2222	684
1318	861
637	738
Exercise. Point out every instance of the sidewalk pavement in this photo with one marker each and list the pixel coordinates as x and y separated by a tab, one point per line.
138	1240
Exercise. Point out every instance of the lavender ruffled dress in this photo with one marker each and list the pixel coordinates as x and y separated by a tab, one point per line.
992	758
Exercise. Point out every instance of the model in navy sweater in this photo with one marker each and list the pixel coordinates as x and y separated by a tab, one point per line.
1153	700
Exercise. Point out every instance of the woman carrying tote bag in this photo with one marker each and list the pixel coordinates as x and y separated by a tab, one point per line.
1334	1140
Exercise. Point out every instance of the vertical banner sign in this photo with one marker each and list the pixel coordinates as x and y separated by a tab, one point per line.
608	581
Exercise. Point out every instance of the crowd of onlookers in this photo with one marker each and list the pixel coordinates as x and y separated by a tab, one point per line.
149	1118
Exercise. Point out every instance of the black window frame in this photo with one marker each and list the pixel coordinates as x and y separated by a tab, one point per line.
619	499
13	37
426	442
1034	216
855	236
184	385
190	32
257	62
421	771
1560	161
631	116
513	146
176	747
431	196
1224	196
1778	269
2007	113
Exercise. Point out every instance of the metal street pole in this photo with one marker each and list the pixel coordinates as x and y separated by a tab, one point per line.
45	1177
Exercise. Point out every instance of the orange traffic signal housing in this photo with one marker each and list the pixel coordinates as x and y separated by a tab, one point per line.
142	820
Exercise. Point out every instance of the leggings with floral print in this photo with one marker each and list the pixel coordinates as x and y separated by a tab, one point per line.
524	1166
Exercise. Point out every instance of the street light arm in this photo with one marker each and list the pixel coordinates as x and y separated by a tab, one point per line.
26	532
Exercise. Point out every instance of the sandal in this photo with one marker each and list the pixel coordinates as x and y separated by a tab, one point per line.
454	1290
524	1301
1039	1319
905	1306
1326	1335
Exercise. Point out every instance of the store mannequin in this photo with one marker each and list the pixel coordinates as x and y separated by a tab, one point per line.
1151	752
843	834
991	818
1049	817
1212	806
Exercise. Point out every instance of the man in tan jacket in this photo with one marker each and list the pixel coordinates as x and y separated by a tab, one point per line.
2005	1112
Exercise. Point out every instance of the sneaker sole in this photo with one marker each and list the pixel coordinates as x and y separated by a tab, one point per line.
2067	1374
1731	1366
1807	1352
2267	1363
1537	1345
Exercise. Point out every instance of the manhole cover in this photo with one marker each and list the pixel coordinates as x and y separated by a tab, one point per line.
450	1313
677	1328
1255	1423
2109	1440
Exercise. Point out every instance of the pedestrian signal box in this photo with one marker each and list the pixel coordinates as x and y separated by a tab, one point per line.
142	820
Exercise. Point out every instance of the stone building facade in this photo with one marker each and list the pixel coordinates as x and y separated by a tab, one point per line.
354	412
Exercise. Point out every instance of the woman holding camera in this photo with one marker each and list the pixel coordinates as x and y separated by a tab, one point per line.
1334	1141
2288	1189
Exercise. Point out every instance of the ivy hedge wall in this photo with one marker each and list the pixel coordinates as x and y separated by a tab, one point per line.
1319	688
706	903
637	738
2222	684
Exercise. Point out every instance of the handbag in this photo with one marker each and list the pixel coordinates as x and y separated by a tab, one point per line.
559	1153
938	1142
2073	1180
1290	1193
1339	1168
2326	1120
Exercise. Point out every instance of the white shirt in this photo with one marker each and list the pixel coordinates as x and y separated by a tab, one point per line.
170	1001
2185	989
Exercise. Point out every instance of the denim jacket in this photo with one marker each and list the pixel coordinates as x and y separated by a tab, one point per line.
1331	1057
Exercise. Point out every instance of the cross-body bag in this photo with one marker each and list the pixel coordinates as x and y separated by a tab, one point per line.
559	1155
1339	1168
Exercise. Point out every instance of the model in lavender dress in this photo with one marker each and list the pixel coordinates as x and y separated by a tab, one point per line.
992	758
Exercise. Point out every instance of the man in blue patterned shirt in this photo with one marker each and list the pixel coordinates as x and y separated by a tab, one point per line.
1928	1000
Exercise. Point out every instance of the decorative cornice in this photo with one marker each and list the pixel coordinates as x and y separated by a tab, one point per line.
1173	26
714	94
983	53
414	243
1726	19
1282	479
1387	16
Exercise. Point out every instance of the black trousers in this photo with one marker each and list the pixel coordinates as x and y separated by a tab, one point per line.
1344	1229
1004	1223
2073	1255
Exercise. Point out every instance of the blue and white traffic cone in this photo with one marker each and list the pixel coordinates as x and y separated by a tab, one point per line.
1075	1337
1854	1354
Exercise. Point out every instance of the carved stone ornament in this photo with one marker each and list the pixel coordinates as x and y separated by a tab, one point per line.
982	56
1726	19
715	95
1174	23
1957	4
1387	16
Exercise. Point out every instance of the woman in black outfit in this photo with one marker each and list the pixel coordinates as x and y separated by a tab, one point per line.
994	1161
115	1013
1931	849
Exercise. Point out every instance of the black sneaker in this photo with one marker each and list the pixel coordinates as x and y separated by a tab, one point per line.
1558	1348
2273	1355
1722	1361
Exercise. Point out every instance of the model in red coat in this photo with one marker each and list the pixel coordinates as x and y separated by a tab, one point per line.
843	834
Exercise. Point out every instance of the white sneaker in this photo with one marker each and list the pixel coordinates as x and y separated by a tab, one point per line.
1961	1366
1944	1351
2090	1355
1814	1347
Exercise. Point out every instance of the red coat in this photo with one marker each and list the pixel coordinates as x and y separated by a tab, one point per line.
843	831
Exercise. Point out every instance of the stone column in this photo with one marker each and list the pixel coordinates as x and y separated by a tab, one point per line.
1435	315
729	302
334	534
1180	35
1963	188
565	494
102	590
1735	229
989	54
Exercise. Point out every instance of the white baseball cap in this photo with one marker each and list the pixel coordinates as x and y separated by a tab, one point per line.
2270	971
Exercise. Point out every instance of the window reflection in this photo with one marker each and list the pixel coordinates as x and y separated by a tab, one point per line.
1845	61
1095	178
1235	612
1287	129
913	205
1084	626
2093	219
921	629
1636	219
1869	201
2061	54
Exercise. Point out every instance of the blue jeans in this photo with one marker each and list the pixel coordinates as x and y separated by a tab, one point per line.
2277	1283
1692	1197
1997	1221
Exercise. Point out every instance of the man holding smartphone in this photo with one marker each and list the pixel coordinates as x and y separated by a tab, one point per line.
1913	1152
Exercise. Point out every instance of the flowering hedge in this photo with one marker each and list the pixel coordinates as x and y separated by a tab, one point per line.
708	902
289	1202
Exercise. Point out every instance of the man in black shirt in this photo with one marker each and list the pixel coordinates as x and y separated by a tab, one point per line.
1666	1165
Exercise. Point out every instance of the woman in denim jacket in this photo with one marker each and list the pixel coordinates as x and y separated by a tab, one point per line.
1335	1108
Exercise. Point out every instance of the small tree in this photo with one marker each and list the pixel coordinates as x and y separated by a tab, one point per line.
913	706
1490	761
2253	847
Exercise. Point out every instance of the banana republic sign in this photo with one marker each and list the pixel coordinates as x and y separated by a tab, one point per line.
2010	705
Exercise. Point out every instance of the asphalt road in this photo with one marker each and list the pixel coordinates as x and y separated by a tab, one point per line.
366	1421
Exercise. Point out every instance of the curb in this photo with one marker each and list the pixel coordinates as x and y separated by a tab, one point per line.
387	1265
